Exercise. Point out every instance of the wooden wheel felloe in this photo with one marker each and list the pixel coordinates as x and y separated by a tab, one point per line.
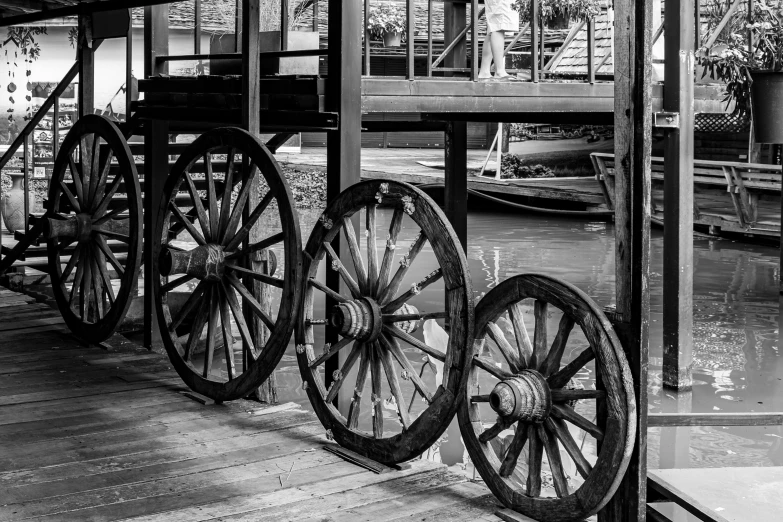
413	382
93	228
525	417
225	307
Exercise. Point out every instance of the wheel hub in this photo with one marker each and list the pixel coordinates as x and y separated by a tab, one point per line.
78	226
205	262
359	319
524	397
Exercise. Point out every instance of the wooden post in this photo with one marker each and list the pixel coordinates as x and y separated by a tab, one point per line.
156	160
283	25
197	34
534	19
86	66
591	50
632	144
453	23
678	199
410	39
367	37
429	37
343	146
456	191
128	71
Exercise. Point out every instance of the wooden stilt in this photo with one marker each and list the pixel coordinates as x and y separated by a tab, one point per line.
678	195
156	161
456	193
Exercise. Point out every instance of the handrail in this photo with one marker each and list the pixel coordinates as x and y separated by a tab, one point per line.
238	56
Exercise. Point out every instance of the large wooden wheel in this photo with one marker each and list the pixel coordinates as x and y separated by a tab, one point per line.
412	385
225	311
546	446
93	228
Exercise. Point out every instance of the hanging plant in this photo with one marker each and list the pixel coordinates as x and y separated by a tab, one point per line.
12	87
550	9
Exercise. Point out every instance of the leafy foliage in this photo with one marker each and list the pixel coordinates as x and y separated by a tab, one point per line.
386	18
743	47
512	168
550	9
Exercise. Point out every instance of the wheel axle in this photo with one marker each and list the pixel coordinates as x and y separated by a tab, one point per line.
359	319
205	262
523	397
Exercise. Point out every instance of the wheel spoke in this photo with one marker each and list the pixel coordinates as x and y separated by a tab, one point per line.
69	195
415	392
536	453
391	246
189	306
560	430
244	332
95	168
195	234
356	256
104	246
514	449
555	355
562	395
509	352
539	335
71	262
211	328
356	402
408	338
97	286
567	413
337	383
77	279
255	306
376	397
261	245
85	157
214	217
113	234
493	431
520	332
338	265
228	189
87	286
198	205
171	285
391	289
228	336
391	345
561	377
107	197
76	177
108	217
328	291
394	384
414	290
555	465
488	365
372	250
236	213
247	225
333	349
272	281
198	324
394	318
104	176
101	267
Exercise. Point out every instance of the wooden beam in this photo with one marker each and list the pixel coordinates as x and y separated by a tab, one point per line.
81	8
678	194
715	419
456	178
156	137
86	66
633	137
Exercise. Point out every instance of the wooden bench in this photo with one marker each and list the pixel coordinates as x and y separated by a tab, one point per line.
748	185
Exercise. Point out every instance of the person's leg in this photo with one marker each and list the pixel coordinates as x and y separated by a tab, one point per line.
498	44
486	59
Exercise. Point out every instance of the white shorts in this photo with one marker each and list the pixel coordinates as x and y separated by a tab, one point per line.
500	16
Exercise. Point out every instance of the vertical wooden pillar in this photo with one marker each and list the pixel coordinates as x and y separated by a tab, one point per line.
678	199
128	70
534	20
456	190
156	160
343	146
632	144
453	23
86	66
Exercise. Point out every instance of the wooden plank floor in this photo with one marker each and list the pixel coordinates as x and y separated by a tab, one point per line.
96	433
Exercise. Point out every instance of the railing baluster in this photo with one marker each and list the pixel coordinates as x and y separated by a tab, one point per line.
26	179
591	50
474	59
542	52
56	127
196	41
315	17
410	8
283	25
534	40
128	72
429	38
366	38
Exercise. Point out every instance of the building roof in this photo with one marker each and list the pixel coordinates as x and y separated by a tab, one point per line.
573	58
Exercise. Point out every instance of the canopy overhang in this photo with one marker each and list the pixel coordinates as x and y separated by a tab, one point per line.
18	12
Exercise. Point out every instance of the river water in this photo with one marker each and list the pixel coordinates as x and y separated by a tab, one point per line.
737	363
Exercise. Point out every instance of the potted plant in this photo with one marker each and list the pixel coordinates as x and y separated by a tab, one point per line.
554	10
387	22
753	73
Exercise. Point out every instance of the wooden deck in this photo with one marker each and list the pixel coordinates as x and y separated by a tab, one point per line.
96	433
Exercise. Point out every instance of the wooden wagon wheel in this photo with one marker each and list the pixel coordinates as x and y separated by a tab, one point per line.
225	313
377	316
521	403
93	228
